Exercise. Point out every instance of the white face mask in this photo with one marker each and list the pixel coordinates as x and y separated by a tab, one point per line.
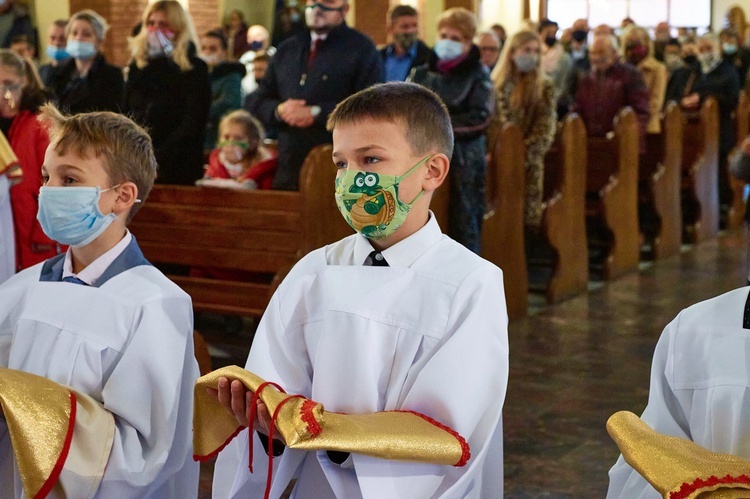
447	50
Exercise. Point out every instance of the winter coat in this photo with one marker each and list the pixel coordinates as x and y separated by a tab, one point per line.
100	90
226	96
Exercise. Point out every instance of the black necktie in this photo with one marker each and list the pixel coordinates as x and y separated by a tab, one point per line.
74	280
375	259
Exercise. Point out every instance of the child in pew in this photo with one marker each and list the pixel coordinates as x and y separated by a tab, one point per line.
395	317
240	161
103	321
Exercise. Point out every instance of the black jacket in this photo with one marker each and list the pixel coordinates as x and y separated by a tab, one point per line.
425	56
346	62
467	92
722	83
173	105
101	90
22	25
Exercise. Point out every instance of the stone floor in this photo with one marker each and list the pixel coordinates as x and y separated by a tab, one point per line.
573	365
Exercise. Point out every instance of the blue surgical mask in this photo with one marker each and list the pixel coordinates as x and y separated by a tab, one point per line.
448	50
71	215
526	62
80	50
729	48
56	54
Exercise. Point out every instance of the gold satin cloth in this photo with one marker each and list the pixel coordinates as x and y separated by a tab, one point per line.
676	467
9	164
38	415
387	435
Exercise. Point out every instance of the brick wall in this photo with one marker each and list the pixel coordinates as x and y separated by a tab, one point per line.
123	15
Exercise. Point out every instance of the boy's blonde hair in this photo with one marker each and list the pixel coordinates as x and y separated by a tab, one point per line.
179	21
426	121
253	129
124	147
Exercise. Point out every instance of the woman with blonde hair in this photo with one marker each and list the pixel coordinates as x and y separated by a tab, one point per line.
168	91
524	95
639	51
461	81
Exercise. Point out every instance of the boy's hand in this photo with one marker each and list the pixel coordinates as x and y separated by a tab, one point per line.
237	400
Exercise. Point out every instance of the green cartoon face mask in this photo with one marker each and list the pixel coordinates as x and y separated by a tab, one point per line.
369	201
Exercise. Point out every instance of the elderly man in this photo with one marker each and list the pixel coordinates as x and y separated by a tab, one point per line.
311	73
406	51
607	88
489	48
257	41
710	76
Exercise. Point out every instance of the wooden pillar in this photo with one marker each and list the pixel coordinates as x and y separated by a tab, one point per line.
371	19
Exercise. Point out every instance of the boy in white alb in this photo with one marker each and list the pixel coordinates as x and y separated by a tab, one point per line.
700	385
396	317
102	321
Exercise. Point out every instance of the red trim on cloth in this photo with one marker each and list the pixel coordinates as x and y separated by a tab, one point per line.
55	474
215	453
688	488
306	413
465	451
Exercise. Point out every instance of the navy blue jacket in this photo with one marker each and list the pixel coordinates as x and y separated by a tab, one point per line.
346	62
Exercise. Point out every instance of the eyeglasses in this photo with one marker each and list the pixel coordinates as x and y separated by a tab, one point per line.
10	87
489	49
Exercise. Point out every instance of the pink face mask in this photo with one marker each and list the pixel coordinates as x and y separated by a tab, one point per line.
160	42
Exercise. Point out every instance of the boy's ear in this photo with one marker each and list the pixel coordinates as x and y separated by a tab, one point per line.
437	170
127	194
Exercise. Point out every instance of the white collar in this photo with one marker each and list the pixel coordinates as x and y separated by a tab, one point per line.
405	252
314	36
95	269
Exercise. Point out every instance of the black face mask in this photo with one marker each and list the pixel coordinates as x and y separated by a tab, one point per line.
690	59
550	41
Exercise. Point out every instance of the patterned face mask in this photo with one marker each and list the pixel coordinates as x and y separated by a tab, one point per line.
369	201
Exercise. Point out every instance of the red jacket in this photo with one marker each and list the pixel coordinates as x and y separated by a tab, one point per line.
29	141
262	172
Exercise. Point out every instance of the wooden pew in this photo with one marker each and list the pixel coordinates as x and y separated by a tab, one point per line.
612	197
502	229
736	214
564	218
256	233
660	172
700	160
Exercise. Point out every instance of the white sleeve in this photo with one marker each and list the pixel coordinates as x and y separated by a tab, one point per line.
463	386
150	394
7	234
664	413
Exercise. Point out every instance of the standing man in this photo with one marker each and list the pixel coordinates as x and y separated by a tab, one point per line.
56	43
405	51
311	73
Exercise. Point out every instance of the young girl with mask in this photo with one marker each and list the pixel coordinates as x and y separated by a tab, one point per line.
240	161
85	82
461	81
168	91
526	96
20	98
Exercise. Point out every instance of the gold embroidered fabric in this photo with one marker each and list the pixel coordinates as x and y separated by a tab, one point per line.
8	160
305	425
37	412
678	468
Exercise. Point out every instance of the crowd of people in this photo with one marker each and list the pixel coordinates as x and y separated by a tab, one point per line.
182	85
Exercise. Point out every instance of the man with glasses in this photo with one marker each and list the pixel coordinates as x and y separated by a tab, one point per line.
489	48
311	73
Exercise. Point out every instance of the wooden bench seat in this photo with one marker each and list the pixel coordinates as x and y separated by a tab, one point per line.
239	240
503	226
564	219
700	184
660	170
736	215
612	203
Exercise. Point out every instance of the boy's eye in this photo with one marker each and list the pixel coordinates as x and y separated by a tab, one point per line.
45	179
70	180
340	165
370	160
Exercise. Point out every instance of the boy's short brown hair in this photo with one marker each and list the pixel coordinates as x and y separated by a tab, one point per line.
423	115
124	147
